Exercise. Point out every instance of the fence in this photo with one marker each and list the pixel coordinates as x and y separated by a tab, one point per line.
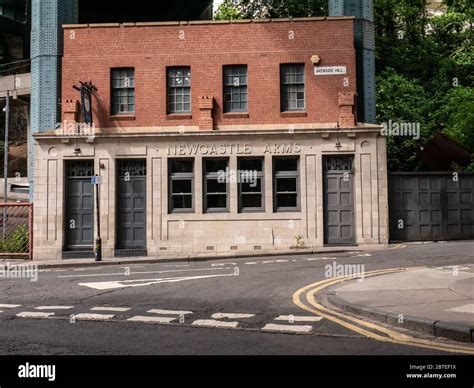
16	230
431	206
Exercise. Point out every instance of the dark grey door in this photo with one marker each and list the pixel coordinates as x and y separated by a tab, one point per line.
131	205
79	200
338	200
431	206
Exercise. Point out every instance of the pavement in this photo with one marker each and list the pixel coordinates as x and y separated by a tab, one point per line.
438	301
179	257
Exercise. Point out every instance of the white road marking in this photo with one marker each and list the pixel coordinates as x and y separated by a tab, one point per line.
176	266
93	317
145	282
169	312
273	328
116	309
467	308
54	308
274	261
140	273
320	258
140	318
222	264
251	262
231	316
1	311
215	324
33	314
298	318
9	306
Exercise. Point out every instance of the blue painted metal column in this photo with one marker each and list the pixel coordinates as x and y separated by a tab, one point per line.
47	18
364	34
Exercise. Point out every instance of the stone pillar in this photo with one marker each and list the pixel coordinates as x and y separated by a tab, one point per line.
206	122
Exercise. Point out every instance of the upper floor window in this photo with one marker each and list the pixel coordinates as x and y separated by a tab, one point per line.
179	89
123	91
292	87
235	88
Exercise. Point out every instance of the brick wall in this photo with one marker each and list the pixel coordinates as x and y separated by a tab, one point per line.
90	51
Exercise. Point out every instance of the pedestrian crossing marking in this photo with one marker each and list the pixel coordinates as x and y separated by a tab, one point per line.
114	309
215	324
34	314
292	329
148	319
231	316
169	312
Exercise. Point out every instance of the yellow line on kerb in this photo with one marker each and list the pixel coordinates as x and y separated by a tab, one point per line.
365	328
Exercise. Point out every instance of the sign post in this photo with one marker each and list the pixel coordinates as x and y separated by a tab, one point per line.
5	163
96	181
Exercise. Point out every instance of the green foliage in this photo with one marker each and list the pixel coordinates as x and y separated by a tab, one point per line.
255	9
402	100
424	65
17	242
456	115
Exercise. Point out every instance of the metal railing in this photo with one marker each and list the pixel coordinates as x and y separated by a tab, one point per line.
16	230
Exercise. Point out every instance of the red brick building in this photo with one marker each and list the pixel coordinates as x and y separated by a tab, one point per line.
174	105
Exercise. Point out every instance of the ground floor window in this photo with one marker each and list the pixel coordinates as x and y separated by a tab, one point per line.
251	188
215	184
181	185
286	190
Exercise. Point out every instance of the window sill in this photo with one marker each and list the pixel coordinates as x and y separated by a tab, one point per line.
179	116
236	115
122	117
286	210
293	114
191	211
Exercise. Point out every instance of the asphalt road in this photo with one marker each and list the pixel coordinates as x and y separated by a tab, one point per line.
123	298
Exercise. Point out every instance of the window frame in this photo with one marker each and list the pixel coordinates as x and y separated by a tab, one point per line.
229	88
181	176
213	175
261	176
130	92
286	85
286	175
183	95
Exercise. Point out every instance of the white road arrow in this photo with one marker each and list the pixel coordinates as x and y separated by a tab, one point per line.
111	285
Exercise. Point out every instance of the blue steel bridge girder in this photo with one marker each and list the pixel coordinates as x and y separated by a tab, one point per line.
47	18
364	35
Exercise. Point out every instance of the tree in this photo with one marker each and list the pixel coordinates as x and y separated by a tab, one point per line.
424	65
255	9
400	99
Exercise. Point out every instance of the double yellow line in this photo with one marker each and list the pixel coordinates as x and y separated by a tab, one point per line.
368	329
